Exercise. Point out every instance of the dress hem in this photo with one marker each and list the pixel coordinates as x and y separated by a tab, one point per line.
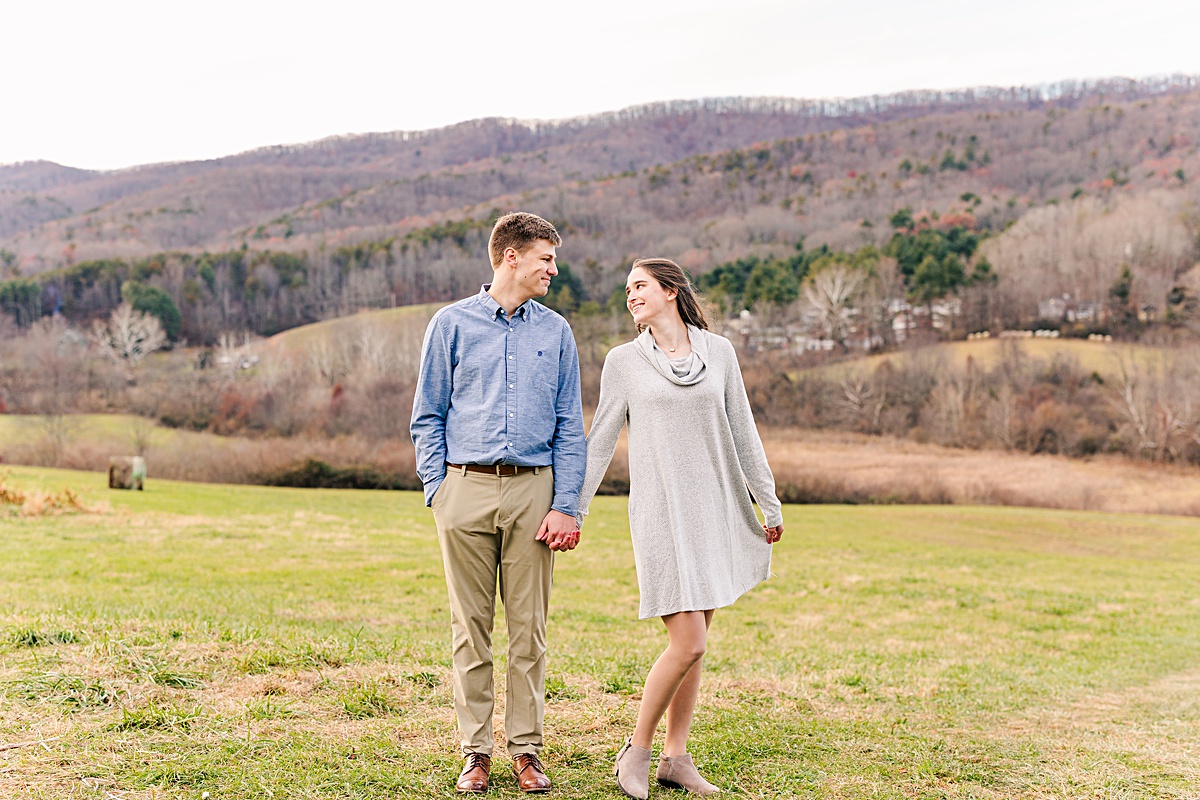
713	607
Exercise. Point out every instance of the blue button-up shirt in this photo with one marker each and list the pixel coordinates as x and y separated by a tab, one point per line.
495	389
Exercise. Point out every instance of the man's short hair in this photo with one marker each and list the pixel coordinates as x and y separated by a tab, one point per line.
519	231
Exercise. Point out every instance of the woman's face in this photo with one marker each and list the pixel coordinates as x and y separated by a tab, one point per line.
645	297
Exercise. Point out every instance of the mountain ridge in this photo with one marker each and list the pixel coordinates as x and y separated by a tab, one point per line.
508	135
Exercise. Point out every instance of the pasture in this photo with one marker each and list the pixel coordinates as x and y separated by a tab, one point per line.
1104	358
405	322
257	642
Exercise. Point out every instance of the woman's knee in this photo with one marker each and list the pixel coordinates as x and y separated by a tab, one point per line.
687	632
689	651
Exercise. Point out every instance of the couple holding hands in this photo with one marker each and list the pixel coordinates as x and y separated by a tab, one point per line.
498	428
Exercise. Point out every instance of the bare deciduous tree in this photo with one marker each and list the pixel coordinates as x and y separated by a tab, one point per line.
864	400
234	351
830	293
946	411
141	433
376	352
1000	417
1156	401
129	336
55	356
876	298
328	360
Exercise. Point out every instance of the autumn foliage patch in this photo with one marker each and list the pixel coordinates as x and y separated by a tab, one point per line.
14	502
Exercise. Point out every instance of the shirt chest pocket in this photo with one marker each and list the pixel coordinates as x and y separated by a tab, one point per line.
543	364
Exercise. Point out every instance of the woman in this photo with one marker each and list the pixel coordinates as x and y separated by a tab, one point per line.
693	450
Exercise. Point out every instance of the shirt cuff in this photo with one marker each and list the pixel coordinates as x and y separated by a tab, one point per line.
431	489
568	506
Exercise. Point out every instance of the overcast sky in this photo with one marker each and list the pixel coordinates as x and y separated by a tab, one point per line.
111	84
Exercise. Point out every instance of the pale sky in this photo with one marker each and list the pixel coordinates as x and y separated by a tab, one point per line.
111	84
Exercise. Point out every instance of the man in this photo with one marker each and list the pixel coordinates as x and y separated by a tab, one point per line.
498	428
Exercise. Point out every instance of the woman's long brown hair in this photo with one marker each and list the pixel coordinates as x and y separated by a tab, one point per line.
672	278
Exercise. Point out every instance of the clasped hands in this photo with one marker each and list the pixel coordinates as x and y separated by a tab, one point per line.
559	531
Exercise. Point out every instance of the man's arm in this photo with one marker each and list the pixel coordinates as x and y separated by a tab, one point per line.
569	451
430	406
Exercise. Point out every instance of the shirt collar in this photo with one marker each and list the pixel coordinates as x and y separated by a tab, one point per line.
493	307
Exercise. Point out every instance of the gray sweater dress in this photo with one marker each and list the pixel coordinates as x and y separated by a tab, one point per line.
693	451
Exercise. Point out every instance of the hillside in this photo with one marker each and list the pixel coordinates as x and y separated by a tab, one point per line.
1103	358
1060	190
224	195
660	176
402	321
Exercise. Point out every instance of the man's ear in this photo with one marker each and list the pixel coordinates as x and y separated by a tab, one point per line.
510	257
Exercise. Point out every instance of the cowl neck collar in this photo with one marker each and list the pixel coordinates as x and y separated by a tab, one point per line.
647	349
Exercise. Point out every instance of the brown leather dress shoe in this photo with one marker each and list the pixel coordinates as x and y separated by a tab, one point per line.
531	776
474	776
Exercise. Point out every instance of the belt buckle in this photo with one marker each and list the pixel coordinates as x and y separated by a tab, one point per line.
506	470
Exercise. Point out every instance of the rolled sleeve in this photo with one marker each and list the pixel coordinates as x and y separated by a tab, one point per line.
430	406
570	444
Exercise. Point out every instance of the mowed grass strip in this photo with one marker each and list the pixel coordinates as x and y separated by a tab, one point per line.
256	642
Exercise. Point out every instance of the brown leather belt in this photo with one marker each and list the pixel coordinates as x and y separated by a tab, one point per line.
499	470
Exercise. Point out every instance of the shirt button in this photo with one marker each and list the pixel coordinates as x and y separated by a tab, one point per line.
510	444
511	414
510	386
510	358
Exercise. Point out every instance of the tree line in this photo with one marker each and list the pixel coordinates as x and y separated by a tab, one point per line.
925	259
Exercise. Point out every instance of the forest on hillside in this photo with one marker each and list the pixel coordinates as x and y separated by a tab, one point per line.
1065	188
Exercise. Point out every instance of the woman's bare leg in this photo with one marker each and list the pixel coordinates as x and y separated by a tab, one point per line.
679	712
687	632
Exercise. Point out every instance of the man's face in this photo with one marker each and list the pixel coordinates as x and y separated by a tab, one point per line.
534	268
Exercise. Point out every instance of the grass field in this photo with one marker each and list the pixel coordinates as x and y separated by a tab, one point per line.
1101	357
112	430
403	320
255	642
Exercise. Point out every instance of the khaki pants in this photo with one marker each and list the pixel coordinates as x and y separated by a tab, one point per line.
486	526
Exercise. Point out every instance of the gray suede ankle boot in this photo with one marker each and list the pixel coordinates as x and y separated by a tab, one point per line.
633	770
678	772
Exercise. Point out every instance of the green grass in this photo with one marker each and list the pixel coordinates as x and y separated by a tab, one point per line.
256	642
114	430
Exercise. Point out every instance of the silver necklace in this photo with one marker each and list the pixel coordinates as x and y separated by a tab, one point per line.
669	349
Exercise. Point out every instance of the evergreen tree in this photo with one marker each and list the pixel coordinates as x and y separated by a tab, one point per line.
154	301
